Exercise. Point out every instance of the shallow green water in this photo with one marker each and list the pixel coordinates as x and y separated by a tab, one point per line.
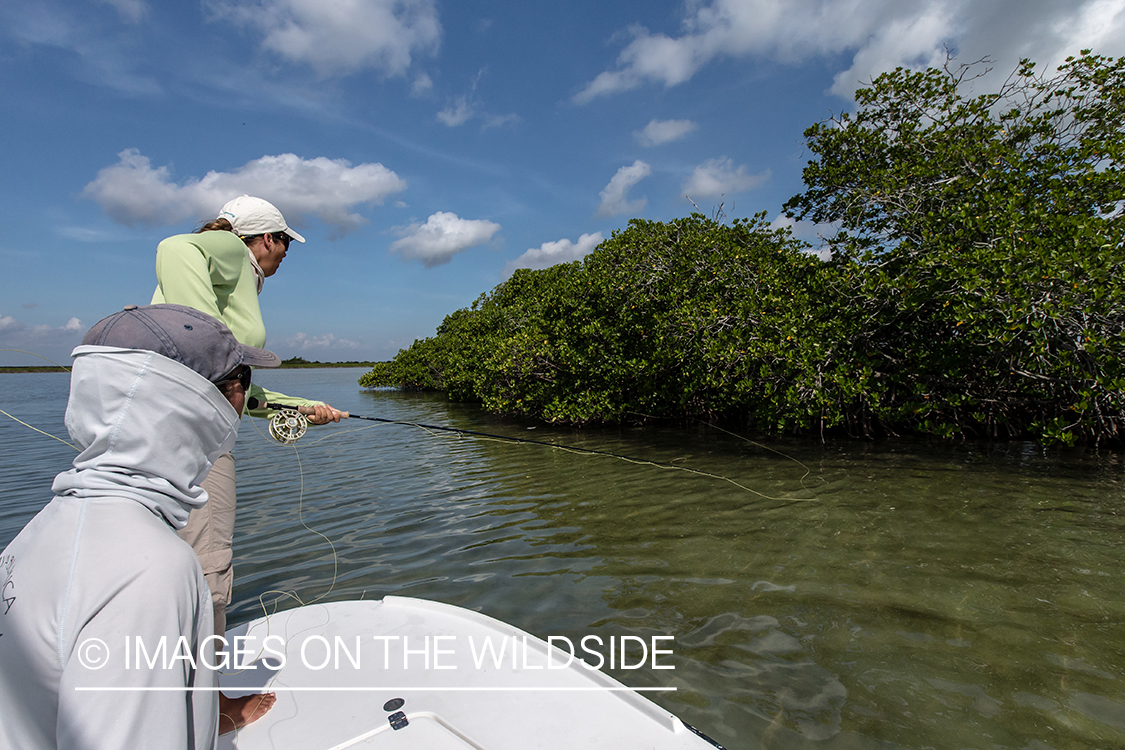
902	594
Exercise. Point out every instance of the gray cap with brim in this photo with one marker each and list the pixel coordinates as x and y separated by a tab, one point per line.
184	334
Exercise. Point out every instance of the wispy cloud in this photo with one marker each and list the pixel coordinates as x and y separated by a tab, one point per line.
304	343
132	11
465	107
615	195
663	131
133	192
716	177
339	37
457	112
422	85
103	58
88	234
496	121
552	253
442	236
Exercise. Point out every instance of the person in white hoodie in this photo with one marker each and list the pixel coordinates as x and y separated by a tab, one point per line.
156	393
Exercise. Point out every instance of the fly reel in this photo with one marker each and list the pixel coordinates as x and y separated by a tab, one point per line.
287	426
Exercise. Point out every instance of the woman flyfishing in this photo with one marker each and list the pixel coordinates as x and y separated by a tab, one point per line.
220	270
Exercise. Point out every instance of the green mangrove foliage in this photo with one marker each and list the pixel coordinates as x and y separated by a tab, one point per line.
984	238
974	288
689	317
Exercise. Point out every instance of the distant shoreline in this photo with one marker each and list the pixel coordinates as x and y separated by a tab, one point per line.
284	366
302	362
34	368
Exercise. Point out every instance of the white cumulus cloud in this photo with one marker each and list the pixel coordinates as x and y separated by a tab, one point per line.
342	36
878	35
552	253
53	342
442	236
716	177
133	192
615	195
664	131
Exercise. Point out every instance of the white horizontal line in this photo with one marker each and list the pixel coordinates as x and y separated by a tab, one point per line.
280	689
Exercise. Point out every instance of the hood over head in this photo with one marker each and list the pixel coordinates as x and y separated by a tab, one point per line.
149	429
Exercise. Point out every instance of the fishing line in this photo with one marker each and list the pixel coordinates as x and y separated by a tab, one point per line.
286	415
288	425
292	594
753	443
41	432
25	424
301	519
45	359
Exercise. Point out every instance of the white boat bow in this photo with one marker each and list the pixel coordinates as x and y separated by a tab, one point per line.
411	673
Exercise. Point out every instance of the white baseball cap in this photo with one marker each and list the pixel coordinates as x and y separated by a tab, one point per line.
250	216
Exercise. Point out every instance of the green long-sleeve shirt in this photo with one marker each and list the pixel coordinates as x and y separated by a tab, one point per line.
211	272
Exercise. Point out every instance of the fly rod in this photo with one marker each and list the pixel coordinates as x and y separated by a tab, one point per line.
292	423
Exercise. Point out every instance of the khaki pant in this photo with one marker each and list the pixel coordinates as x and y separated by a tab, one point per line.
210	530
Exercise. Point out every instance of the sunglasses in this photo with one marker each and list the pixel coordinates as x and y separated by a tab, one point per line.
241	374
282	237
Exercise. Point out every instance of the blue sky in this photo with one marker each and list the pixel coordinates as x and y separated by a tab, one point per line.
425	148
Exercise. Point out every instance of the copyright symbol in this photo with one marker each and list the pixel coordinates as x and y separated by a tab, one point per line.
93	653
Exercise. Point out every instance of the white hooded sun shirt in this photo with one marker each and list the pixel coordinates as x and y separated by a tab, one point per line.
98	580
